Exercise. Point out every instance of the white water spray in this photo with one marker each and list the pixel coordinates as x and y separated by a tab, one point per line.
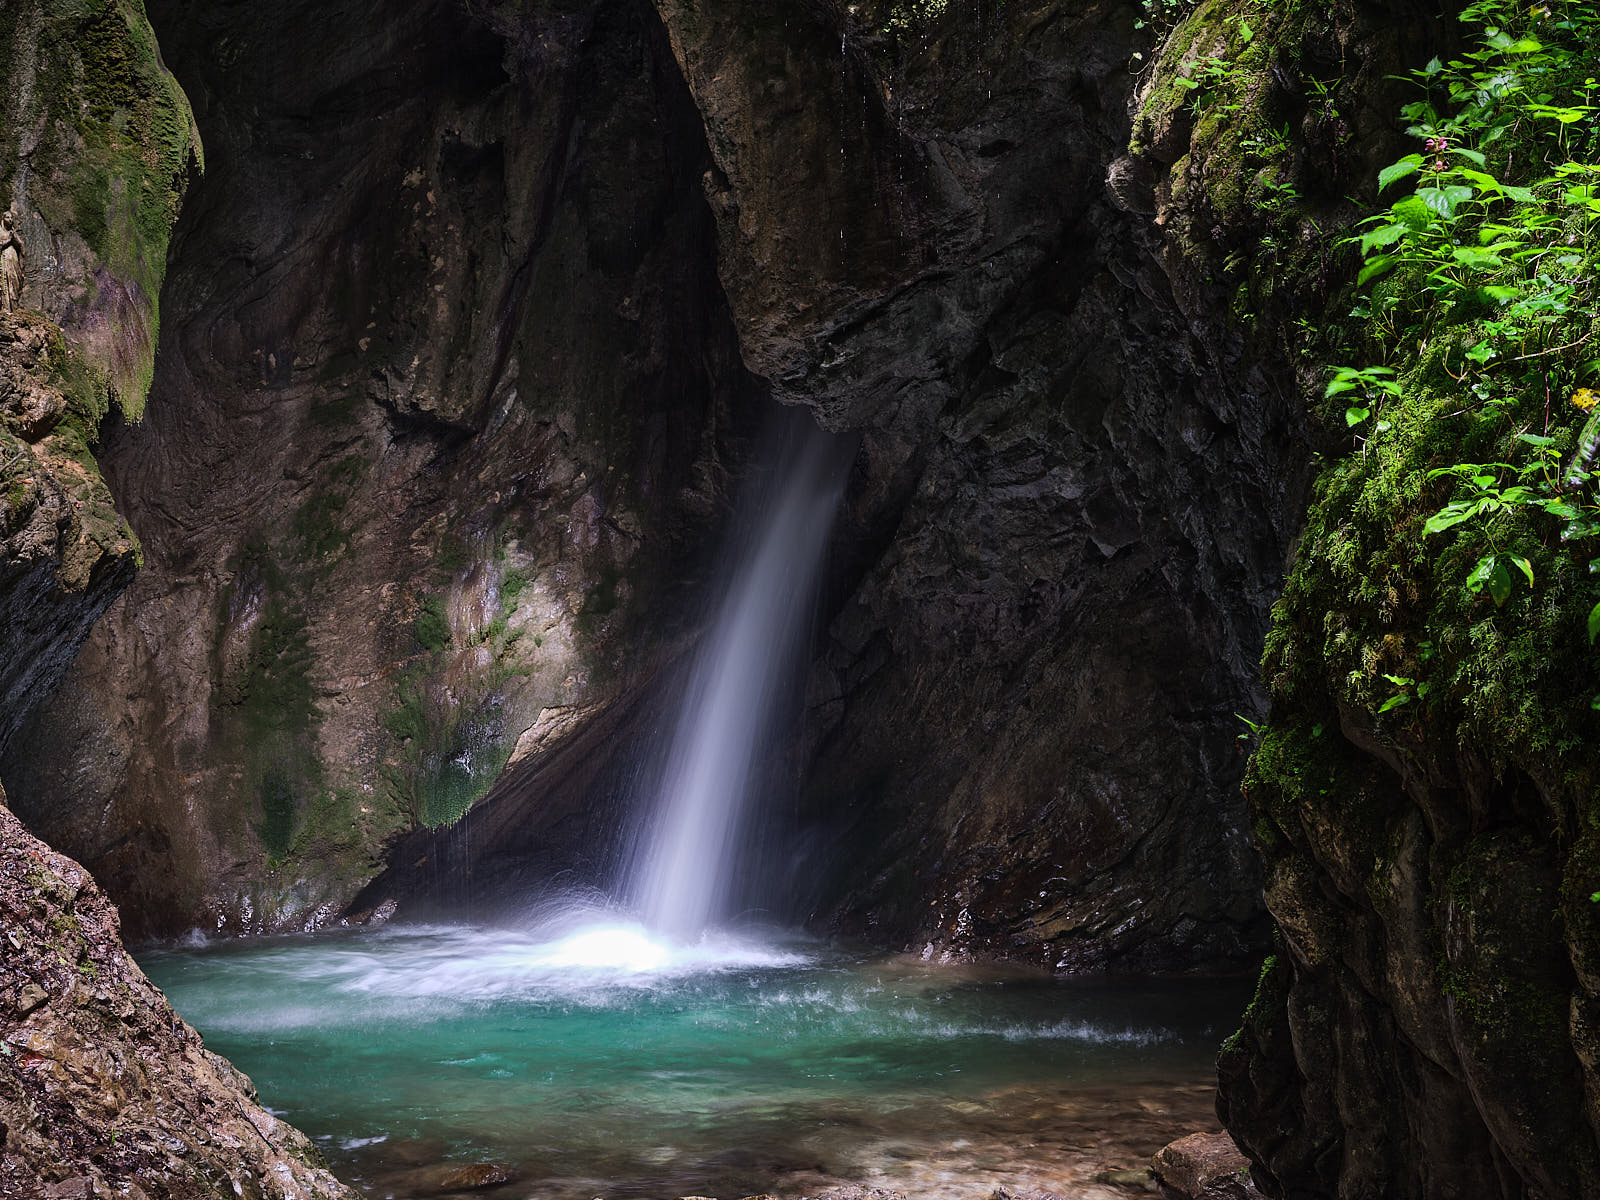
685	868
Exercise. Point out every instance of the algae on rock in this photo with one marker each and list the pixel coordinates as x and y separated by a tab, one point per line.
1422	794
98	149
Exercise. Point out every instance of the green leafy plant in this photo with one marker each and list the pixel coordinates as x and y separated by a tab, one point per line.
1364	387
1491	250
1213	75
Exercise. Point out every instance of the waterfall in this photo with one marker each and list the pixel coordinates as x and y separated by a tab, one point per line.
739	679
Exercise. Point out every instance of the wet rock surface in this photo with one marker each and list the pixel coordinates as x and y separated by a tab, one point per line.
1078	499
65	553
104	1090
457	379
446	384
1203	1166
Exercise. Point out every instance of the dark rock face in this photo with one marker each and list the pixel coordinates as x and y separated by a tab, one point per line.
96	148
1071	508
1077	498
1432	965
65	554
446	380
104	1090
453	381
1427	1027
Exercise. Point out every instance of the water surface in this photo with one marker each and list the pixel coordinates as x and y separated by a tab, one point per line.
608	1064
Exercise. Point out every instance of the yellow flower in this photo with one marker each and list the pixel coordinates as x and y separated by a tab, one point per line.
1585	399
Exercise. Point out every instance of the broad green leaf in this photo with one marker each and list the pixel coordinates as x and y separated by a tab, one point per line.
1472	256
1524	566
1498	294
1481	353
1535	439
1499	584
1471	155
1450	515
1413	213
1394	702
1376	268
1444	200
1409	165
1354	415
1594	623
1388	235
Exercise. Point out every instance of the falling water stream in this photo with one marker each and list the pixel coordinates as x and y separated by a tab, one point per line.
645	1047
682	877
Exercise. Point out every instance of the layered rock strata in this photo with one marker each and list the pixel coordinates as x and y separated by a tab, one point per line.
104	1091
464	343
1423	791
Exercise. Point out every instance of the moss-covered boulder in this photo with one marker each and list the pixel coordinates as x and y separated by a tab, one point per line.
1423	792
97	148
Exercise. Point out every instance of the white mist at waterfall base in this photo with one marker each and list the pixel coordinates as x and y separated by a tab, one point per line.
739	684
596	1061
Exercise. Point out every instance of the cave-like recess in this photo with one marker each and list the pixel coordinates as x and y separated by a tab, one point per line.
485	299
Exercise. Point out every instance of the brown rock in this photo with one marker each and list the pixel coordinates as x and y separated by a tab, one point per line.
30	997
1203	1166
439	1179
126	1111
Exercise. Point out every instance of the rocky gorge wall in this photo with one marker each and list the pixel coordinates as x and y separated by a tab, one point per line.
444	382
465	345
1422	794
104	1091
99	149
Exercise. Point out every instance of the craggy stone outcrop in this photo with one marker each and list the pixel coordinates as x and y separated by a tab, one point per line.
1071	505
446	386
65	553
104	1090
1423	791
97	148
1076	498
456	371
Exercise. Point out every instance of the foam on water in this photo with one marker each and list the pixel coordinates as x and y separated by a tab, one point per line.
585	1044
420	972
